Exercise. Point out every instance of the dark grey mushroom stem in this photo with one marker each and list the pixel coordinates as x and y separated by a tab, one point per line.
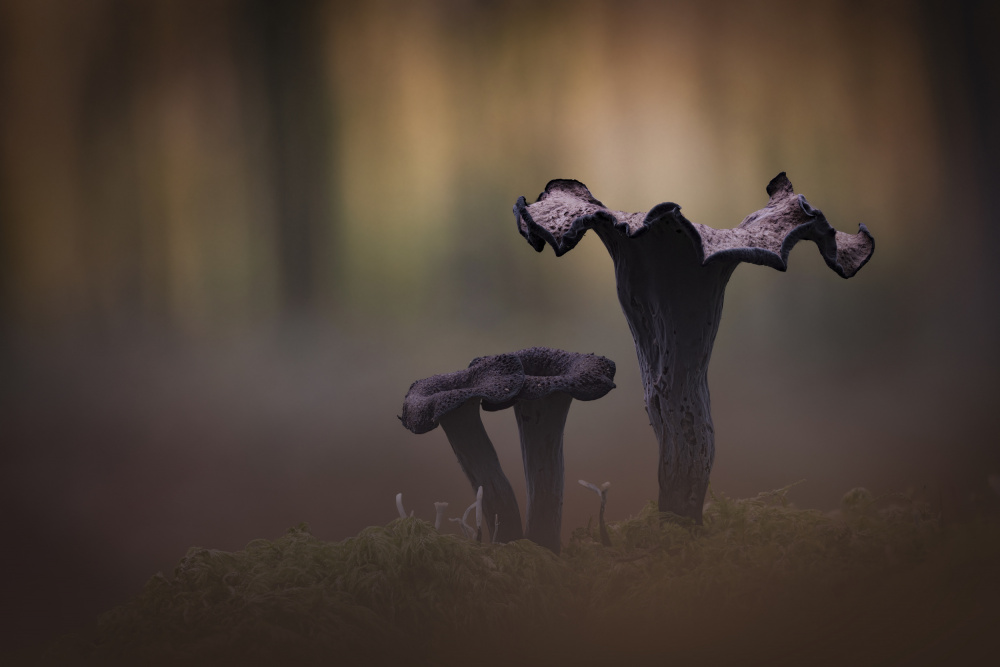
671	277
453	401
674	332
478	459
541	423
552	379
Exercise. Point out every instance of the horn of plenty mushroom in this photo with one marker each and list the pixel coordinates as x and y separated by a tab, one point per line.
671	277
552	379
453	400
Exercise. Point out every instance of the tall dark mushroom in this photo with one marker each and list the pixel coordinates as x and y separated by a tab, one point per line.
453	400
552	379
671	276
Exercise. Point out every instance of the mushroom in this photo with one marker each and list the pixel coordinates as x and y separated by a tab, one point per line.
439	509
671	276
602	491
399	506
466	528
552	379
453	400
479	514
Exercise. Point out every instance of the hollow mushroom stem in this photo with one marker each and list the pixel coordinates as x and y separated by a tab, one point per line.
540	423
674	332
467	436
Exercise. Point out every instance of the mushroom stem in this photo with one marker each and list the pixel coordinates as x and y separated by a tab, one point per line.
439	509
541	423
605	538
479	515
472	446
602	491
674	332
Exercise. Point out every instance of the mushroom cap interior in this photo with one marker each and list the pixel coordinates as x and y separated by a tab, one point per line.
494	379
585	377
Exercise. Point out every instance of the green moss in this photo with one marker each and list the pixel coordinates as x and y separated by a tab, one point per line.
405	593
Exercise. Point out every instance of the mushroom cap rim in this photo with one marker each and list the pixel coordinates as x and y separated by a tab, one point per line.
538	236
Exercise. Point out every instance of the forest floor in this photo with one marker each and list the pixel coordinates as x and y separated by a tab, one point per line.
882	581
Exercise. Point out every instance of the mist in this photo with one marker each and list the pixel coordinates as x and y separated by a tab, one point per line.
232	234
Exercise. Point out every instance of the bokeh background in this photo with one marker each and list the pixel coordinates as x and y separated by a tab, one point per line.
232	233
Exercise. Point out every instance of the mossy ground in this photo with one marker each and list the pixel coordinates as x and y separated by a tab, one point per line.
761	582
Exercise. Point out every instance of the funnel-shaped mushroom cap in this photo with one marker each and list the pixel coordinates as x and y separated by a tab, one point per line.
494	379
567	209
585	377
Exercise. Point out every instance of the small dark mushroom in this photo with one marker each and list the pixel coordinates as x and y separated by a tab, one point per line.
671	275
453	400
552	379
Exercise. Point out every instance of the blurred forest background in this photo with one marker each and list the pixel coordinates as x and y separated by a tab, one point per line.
232	233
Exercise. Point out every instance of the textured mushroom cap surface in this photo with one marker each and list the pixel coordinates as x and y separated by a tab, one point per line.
495	379
585	377
566	210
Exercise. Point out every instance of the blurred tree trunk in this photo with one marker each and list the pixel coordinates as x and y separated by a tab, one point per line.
289	57
166	164
963	58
